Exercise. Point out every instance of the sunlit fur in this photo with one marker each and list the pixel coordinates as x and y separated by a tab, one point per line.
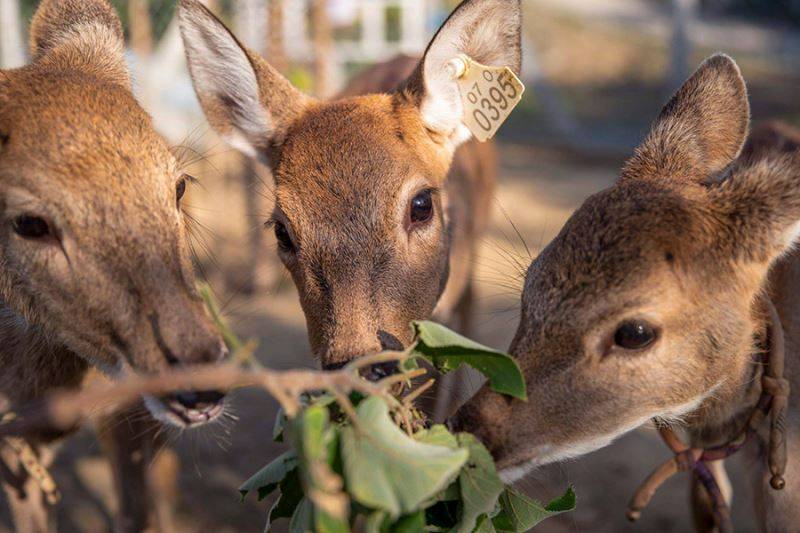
111	287
346	170
696	229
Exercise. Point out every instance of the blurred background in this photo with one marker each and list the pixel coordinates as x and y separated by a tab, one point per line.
597	72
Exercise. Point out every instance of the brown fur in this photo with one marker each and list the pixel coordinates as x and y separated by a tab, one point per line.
686	240
346	170
113	287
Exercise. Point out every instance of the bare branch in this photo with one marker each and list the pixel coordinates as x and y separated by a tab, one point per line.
63	410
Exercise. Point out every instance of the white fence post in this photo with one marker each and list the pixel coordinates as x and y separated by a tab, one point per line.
12	52
413	16
373	28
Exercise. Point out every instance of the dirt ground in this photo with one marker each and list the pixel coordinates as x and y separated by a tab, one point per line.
540	187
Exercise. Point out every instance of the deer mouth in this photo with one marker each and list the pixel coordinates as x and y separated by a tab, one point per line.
187	408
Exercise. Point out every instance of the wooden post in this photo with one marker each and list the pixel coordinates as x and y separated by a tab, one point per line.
276	53
141	31
323	48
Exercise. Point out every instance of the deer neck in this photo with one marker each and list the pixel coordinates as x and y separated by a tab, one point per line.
33	362
724	414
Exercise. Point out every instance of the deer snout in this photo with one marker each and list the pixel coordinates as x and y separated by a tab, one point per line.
187	340
487	415
185	336
383	341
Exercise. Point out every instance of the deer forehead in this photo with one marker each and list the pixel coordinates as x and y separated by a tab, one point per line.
624	245
81	131
358	144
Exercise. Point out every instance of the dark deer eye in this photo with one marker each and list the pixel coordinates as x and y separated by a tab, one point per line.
282	235
421	209
31	227
634	335
180	189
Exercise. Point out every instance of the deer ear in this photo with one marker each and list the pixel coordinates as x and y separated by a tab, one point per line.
82	34
488	31
700	131
244	99
759	201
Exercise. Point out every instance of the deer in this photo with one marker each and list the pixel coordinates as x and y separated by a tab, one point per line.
380	195
96	278
654	302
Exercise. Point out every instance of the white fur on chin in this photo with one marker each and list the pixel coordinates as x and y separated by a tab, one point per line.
547	453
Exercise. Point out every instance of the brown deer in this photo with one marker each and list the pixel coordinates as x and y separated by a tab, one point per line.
650	303
372	228
95	270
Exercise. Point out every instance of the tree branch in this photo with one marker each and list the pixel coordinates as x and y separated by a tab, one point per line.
63	410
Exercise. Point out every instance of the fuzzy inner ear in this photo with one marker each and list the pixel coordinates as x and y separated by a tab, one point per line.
80	34
700	131
245	100
488	31
759	201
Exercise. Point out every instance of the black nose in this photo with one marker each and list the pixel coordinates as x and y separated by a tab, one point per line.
380	371
199	399
389	342
375	372
334	366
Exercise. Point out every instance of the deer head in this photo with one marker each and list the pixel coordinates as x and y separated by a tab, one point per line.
92	240
643	306
359	181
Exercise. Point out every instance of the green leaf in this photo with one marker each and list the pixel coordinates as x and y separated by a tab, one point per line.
302	517
443	515
484	525
326	523
519	513
563	503
386	469
317	443
268	478
279	425
376	522
291	494
412	523
446	350
479	483
438	435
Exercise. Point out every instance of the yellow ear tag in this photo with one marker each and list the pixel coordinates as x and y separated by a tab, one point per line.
488	94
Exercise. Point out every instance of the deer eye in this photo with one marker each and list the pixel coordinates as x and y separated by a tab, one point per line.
421	208
282	235
180	189
31	227
634	335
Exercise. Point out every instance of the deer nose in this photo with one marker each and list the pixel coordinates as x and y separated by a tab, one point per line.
199	399
380	371
374	372
200	356
377	371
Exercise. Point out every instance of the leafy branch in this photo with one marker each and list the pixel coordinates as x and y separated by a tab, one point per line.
361	455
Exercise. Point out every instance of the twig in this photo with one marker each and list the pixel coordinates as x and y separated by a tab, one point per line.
63	410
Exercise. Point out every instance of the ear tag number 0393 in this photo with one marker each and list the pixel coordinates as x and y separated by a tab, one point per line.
488	95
